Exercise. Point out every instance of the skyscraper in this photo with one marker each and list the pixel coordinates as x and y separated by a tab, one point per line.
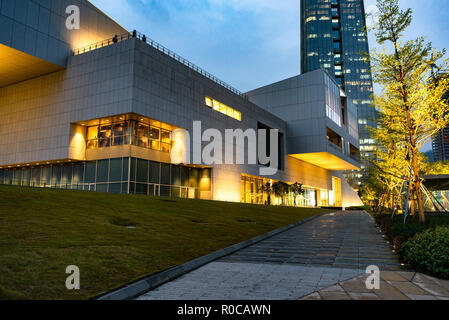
333	37
440	145
440	141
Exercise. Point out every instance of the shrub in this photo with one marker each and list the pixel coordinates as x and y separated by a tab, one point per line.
398	233
428	252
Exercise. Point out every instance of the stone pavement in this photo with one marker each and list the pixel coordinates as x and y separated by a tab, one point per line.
394	285
325	251
343	240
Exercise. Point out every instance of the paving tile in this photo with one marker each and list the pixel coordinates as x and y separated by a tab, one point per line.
406	274
355	285
334	296
388	292
391	276
422	278
421	297
407	287
336	288
433	288
363	296
313	296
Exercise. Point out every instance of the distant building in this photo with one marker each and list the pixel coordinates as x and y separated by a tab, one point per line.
332	38
440	143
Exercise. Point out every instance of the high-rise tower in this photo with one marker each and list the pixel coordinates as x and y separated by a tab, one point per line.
440	141
333	38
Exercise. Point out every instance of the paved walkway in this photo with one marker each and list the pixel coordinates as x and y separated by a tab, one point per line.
306	259
394	285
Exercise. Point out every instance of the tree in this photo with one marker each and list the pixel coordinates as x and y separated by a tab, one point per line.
280	189
412	104
435	168
268	189
297	190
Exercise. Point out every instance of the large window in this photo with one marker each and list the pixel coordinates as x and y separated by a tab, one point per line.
333	101
254	190
129	132
111	175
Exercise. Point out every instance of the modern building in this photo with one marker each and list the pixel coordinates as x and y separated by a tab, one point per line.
333	37
440	145
97	110
440	141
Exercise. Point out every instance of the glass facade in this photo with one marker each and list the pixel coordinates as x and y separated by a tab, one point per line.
252	192
120	175
141	134
332	38
333	101
440	141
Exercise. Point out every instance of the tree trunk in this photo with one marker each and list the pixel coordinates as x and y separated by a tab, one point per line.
381	201
418	192
412	202
422	217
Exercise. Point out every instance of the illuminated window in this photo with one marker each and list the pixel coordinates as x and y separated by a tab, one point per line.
129	132
92	137
209	102
310	19
222	108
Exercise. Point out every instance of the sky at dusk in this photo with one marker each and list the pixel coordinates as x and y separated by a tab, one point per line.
248	43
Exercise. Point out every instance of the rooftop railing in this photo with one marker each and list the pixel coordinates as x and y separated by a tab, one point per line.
159	47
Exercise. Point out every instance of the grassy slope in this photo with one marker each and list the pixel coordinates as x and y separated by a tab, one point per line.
43	231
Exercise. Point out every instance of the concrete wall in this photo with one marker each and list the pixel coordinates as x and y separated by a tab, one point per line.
36	114
170	92
37	27
301	102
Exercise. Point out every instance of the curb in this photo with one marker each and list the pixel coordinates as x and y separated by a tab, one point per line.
142	286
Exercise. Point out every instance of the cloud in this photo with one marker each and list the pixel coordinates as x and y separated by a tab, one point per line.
247	43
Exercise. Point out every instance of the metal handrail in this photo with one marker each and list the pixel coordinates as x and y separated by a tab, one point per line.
159	47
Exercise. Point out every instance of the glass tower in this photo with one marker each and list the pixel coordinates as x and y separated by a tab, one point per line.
440	141
333	37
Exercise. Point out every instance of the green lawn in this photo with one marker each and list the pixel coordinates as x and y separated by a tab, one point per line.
42	231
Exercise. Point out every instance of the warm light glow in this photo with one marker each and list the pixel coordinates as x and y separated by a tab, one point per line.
77	144
336	193
227	195
325	160
180	142
222	108
16	66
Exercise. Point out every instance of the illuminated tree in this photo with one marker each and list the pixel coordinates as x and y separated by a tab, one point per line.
411	104
280	189
297	190
268	189
435	168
